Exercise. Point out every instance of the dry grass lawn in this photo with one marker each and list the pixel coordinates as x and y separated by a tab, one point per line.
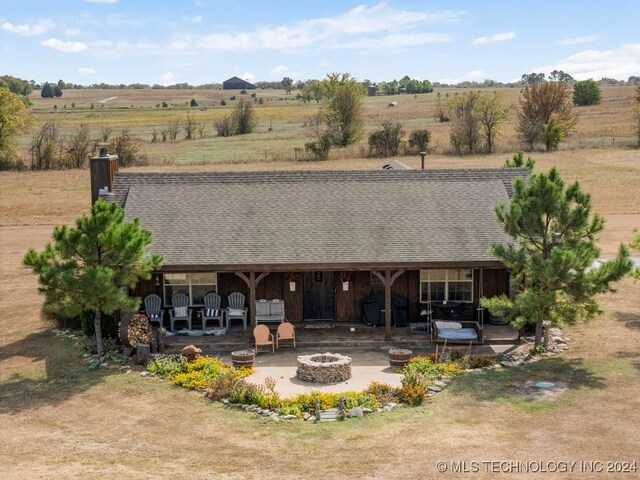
60	420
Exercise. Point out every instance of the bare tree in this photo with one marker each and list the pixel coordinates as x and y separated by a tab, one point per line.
47	148
202	127
224	126
79	146
189	125
105	133
174	127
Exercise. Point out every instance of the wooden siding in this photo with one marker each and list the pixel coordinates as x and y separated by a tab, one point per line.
347	303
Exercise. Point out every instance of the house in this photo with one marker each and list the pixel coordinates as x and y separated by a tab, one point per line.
235	83
423	235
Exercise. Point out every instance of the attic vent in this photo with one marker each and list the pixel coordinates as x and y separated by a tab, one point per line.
394	165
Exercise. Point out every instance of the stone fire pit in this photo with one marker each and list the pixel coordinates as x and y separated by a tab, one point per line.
324	368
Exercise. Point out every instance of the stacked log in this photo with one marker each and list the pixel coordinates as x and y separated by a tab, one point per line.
135	329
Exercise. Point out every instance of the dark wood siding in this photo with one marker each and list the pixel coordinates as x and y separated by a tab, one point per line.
347	303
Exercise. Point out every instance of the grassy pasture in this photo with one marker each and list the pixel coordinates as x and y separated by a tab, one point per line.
60	420
282	122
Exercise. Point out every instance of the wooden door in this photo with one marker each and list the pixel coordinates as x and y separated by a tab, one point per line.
318	296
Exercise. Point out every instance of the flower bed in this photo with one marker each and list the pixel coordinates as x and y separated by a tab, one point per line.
420	377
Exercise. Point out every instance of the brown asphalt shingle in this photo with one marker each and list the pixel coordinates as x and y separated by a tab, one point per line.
329	217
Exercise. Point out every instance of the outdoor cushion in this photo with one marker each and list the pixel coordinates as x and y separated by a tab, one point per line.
236	311
180	311
451	325
212	312
457	334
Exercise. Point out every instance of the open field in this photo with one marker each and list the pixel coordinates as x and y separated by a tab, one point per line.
282	121
60	420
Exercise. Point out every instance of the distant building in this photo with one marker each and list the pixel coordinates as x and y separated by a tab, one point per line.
372	90
235	83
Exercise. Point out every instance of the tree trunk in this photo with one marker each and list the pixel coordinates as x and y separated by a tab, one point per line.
97	324
538	340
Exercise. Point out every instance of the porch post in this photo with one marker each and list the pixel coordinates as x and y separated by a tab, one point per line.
252	282
387	281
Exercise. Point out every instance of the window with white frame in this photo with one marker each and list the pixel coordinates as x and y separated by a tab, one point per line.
454	285
196	285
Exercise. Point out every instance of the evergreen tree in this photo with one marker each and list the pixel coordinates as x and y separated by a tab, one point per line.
552	253
47	91
90	267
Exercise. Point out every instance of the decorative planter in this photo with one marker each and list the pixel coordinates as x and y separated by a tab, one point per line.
345	286
243	358
292	286
398	357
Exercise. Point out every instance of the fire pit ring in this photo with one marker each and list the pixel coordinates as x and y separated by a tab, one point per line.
324	368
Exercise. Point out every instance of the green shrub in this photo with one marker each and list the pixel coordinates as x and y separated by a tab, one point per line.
165	365
306	402
432	370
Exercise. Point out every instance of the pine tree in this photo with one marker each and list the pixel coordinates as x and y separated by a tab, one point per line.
47	91
553	251
90	267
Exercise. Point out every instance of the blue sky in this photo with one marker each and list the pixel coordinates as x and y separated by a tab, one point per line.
203	41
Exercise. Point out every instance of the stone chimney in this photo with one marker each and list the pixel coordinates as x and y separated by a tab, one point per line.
103	169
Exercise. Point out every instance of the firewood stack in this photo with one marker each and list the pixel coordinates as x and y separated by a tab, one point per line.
139	330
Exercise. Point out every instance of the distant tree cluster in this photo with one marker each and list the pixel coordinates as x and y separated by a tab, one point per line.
388	140
476	119
50	91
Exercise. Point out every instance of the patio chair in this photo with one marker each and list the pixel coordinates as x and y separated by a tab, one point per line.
263	336
152	304
180	311
286	331
236	309
212	310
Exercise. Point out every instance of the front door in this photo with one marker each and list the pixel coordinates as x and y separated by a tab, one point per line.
318	296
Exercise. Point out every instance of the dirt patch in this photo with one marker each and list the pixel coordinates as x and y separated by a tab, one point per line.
534	390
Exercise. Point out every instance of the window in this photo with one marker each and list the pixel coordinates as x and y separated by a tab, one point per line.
195	285
455	285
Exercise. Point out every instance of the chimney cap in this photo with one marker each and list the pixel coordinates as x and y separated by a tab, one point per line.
104	149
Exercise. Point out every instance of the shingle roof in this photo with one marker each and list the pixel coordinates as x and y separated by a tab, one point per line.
326	217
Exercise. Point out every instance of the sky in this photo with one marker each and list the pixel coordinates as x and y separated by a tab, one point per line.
204	41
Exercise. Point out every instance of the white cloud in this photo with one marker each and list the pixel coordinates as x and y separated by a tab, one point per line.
578	40
498	37
26	29
86	71
101	1
64	46
475	76
399	40
360	27
619	63
168	78
248	76
279	70
73	32
472	76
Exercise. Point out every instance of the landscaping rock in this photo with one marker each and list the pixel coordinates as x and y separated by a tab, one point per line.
441	384
434	388
355	412
225	401
367	411
306	415
289	417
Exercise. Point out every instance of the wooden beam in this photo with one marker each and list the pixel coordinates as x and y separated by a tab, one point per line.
387	280
252	283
